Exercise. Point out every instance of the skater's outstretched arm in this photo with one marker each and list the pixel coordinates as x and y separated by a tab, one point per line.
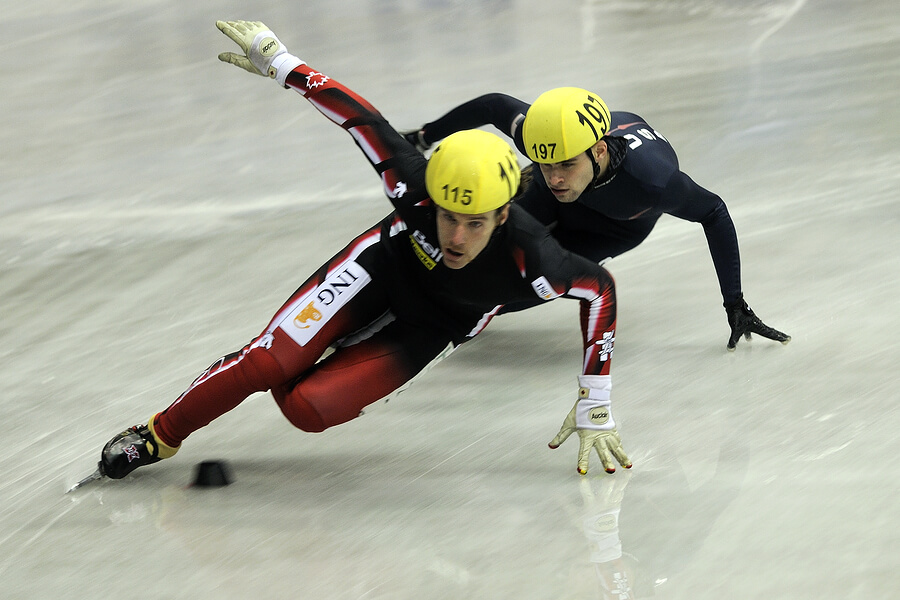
399	165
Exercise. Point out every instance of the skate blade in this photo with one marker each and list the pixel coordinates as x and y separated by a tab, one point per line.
98	474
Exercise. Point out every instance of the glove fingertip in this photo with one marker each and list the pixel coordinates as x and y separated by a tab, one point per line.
560	438
581	471
610	469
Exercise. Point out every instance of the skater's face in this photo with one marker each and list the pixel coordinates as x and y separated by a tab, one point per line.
568	179
462	237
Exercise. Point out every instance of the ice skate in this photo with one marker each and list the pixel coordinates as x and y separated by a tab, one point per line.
135	447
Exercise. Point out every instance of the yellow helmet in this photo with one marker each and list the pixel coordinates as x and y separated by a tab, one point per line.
472	172
563	123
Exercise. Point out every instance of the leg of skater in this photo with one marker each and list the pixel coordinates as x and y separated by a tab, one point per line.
338	388
339	299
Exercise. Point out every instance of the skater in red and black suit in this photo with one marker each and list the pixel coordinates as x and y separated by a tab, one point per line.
426	279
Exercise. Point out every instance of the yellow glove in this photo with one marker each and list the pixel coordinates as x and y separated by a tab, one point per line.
264	54
592	418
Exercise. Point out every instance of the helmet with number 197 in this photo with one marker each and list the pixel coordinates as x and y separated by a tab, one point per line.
562	123
472	172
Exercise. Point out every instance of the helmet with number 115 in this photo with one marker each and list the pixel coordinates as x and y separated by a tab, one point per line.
472	172
562	123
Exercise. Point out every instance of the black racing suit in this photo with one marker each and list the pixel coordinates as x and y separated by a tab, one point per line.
619	210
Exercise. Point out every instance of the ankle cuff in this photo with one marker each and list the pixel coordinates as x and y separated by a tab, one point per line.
163	449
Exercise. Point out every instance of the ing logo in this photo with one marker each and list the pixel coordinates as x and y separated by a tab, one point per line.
309	313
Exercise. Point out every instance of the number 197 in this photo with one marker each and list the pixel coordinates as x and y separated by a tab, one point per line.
545	151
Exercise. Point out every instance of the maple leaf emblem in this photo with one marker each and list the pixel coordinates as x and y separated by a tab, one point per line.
314	80
399	190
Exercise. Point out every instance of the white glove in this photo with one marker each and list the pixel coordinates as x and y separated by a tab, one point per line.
264	54
592	418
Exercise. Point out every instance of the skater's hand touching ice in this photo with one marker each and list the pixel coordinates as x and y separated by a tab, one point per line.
592	419
743	321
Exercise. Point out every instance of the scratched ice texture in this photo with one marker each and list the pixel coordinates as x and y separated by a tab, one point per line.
157	206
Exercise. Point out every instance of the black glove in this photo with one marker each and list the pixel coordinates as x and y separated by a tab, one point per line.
743	321
416	137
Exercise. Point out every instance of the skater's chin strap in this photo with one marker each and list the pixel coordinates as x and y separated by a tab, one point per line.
615	148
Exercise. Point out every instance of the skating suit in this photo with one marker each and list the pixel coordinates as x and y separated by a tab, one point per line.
618	212
387	302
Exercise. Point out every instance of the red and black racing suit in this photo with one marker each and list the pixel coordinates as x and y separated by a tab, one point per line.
393	270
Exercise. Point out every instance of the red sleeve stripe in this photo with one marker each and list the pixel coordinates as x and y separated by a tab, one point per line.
519	258
394	187
587	293
398	226
333	114
390	183
311	83
390	190
596	310
367	139
485	319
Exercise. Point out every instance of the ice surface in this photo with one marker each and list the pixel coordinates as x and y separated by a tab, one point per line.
157	206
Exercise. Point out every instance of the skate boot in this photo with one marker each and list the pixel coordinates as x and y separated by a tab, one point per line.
135	447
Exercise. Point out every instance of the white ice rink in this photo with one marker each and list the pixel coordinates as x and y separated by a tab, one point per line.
157	206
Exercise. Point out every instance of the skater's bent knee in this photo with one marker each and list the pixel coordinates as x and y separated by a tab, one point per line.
300	412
